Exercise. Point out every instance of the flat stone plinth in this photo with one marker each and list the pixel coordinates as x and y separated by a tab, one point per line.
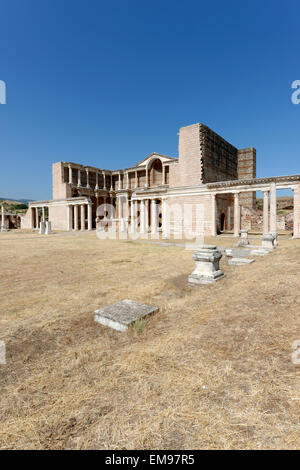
121	315
260	252
207	270
240	261
237	253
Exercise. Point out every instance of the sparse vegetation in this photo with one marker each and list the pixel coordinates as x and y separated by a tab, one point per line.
212	369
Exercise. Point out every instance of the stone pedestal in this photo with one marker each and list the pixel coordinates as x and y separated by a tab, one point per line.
48	228
275	235
267	242
42	228
244	241
207	270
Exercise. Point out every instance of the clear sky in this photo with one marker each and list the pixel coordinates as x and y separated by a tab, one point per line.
105	83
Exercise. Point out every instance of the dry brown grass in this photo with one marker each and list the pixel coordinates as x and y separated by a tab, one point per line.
211	370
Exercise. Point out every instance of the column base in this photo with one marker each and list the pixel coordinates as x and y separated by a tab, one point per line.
197	279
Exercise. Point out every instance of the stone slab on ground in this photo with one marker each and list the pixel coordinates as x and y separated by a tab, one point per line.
260	252
237	253
240	261
121	315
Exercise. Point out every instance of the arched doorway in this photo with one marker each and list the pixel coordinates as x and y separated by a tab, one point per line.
156	173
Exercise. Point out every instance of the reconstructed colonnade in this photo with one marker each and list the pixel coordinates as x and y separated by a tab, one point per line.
268	186
38	214
118	179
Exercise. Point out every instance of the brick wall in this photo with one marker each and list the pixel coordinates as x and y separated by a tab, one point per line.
246	170
205	157
188	170
219	157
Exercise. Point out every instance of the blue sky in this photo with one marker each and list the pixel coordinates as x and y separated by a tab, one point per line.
107	83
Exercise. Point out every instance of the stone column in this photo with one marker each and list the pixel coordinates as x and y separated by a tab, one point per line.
90	221
273	209
228	218
104	207
213	215
76	217
164	221
82	217
36	217
132	217
163	174
127	180
136	208
87	179
104	180
31	218
97	180
142	216
69	218
120	181
266	213
154	222
147	177
136	179
43	214
296	190
2	219
120	207
237	215
79	179
70	175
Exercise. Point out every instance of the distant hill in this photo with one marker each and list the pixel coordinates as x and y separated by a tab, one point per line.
15	201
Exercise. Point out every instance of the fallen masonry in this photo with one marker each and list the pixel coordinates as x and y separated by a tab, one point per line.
207	270
121	315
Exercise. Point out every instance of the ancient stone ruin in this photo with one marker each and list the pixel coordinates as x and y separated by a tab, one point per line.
121	315
207	269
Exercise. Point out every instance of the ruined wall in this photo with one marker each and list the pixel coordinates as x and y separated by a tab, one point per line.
205	157
188	170
246	170
219	157
60	190
26	220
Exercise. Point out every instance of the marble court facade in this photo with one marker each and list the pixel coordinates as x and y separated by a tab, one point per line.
209	182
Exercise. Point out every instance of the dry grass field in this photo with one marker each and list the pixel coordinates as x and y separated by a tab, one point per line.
212	369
